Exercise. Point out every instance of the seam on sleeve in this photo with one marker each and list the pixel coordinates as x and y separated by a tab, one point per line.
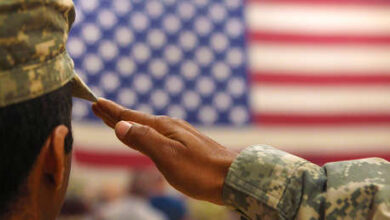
282	198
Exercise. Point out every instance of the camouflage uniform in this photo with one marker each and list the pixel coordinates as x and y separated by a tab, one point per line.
33	59
266	183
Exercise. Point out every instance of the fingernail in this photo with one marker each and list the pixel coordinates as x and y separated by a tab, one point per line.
122	128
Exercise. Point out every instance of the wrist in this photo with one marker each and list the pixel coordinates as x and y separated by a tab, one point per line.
222	171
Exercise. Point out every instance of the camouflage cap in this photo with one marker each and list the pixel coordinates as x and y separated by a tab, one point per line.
33	58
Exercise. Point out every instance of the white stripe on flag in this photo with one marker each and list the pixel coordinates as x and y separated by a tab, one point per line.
96	137
320	100
323	19
319	59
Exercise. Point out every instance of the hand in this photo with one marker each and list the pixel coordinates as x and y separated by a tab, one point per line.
190	161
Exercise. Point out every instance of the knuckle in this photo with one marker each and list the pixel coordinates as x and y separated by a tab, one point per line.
145	130
181	121
123	113
137	134
176	121
162	120
154	121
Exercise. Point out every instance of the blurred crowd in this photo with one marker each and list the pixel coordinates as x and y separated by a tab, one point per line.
147	197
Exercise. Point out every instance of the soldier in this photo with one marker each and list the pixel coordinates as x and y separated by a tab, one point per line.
37	81
261	182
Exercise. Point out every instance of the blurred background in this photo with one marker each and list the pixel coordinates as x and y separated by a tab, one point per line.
311	77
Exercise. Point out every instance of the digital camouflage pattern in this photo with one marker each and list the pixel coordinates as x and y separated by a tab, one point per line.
266	183
33	59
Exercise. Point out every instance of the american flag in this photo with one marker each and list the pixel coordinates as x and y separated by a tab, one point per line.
308	76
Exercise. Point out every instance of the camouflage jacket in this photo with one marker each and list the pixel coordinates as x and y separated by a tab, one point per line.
266	183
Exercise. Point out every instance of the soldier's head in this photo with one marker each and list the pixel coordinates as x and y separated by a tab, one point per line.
37	82
35	154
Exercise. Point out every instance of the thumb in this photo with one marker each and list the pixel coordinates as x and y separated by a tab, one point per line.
142	138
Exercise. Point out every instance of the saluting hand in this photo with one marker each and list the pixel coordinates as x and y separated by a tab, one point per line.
190	161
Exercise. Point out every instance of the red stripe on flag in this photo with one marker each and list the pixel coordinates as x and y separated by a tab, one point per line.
323	120
289	38
320	80
98	159
324	2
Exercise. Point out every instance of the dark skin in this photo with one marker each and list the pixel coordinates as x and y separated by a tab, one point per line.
190	161
47	182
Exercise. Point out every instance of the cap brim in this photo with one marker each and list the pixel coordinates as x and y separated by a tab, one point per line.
81	90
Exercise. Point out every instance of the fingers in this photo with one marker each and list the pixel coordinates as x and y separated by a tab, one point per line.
102	115
145	139
111	113
117	113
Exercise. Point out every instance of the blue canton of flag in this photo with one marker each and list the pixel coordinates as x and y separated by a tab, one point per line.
185	59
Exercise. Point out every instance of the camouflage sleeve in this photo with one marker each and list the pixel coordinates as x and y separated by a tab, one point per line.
266	183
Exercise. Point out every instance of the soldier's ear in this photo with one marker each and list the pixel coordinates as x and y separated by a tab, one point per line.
54	157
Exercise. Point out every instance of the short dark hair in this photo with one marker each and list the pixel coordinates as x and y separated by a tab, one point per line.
24	127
